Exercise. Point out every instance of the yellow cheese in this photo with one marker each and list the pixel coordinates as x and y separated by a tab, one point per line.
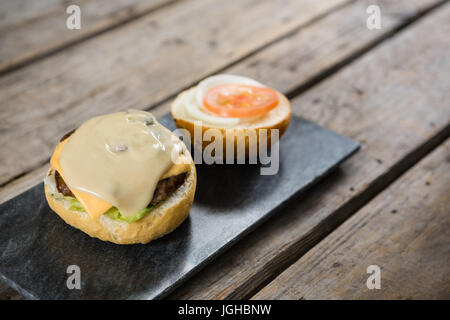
96	207
93	206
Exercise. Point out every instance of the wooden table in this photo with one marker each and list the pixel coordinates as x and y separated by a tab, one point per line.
388	88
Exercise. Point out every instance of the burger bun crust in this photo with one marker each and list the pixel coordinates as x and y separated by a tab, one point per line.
160	221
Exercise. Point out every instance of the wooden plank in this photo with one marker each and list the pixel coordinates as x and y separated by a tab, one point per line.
313	51
318	50
404	231
23	183
392	100
116	71
231	273
31	29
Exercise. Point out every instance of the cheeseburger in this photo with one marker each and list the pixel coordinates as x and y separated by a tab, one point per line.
121	177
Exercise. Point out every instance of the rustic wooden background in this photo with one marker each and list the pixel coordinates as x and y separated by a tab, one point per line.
389	89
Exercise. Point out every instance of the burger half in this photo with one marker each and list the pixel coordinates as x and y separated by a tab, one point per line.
121	177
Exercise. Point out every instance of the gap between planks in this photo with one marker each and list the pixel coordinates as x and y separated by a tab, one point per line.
397	145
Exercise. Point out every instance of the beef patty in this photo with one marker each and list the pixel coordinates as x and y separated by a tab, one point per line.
164	188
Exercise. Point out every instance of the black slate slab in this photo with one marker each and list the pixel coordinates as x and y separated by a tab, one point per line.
36	246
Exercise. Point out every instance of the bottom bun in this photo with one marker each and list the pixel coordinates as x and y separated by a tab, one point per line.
162	220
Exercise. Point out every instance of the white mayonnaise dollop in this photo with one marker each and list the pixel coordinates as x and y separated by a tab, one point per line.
194	102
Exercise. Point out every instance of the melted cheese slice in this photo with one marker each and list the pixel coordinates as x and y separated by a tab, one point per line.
94	206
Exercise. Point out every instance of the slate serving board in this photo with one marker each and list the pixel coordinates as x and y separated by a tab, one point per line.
36	246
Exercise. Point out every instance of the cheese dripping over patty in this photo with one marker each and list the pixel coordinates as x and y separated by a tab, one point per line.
117	160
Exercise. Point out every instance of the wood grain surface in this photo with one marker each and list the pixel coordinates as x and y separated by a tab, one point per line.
31	29
130	67
377	100
404	231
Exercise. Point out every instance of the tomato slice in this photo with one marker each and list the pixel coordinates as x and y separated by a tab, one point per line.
239	101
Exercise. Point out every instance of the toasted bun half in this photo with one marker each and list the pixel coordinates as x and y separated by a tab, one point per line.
277	118
162	220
